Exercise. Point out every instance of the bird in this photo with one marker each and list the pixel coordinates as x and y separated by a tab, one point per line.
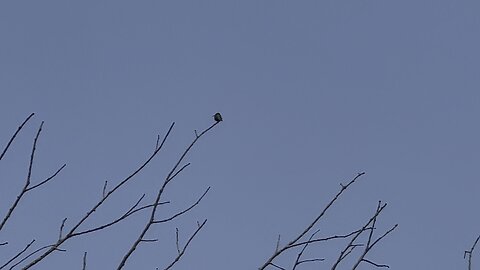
217	117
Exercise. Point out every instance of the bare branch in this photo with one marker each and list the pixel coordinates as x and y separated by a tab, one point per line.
178	172
29	175
469	253
104	188
176	240
129	211
340	236
26	186
370	235
278	243
132	210
145	207
73	230
18	254
84	266
277	266
310	226
38	255
344	187
383	236
184	211
186	245
311	260
173	172
369	247
48	179
15	135
33	253
376	264
299	255
158	140
27	182
149	240
61	228
350	246
371	244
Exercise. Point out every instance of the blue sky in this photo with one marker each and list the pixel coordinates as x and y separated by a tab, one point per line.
312	92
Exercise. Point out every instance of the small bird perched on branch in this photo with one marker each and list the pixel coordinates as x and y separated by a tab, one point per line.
217	117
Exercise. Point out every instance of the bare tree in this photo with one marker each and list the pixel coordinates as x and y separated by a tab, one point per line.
30	256
358	242
301	242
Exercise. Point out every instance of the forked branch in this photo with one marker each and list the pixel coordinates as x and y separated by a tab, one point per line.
33	258
74	230
27	185
294	243
170	176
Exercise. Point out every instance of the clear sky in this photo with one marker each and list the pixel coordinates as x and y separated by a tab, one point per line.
312	92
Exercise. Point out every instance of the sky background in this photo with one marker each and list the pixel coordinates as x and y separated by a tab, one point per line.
312	92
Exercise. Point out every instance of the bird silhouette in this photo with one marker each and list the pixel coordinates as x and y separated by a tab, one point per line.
217	117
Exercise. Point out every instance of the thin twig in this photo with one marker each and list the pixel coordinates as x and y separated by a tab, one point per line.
149	240
371	244
158	140
350	246
179	171
18	254
338	236
48	179
186	245
26	186
299	255
104	188
369	247
311	260
185	210
15	135
61	228
376	264
33	253
470	253
84	267
277	266
128	213
176	237
277	246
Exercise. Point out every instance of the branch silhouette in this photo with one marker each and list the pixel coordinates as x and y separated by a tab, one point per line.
32	258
